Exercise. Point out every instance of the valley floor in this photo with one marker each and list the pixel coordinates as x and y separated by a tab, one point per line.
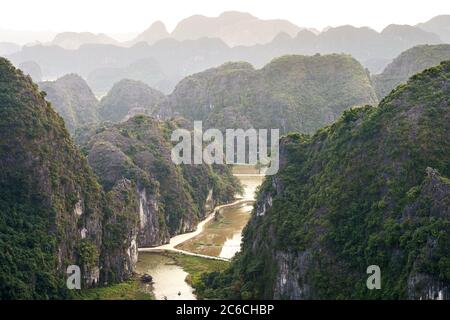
177	267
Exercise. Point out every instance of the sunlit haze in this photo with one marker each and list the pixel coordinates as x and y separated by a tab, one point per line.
120	17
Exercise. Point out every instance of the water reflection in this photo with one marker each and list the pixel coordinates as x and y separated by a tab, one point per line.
220	236
223	235
168	278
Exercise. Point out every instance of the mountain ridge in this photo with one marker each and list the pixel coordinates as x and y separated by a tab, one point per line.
370	189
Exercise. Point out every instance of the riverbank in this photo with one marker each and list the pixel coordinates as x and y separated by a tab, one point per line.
182	238
221	237
177	267
181	263
171	263
132	289
178	276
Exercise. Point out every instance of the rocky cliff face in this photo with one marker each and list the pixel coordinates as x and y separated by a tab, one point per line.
73	100
32	69
51	203
371	189
53	211
432	195
128	98
300	93
111	164
408	63
170	199
121	232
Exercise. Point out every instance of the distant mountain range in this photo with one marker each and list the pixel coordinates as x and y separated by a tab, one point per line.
161	59
300	93
439	25
292	93
232	27
407	64
73	40
370	189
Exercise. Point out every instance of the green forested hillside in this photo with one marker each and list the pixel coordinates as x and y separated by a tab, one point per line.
174	196
127	98
72	98
55	212
371	189
48	194
407	64
292	93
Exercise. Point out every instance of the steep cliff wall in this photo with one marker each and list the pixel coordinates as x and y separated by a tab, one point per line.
371	189
171	199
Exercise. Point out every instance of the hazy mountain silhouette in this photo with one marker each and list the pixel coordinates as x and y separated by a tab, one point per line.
439	25
128	98
407	64
146	70
168	60
154	33
234	28
72	98
73	40
32	69
293	93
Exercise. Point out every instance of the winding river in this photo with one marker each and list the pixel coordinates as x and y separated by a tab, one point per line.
217	237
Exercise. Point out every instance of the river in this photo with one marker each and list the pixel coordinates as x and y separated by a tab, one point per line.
219	235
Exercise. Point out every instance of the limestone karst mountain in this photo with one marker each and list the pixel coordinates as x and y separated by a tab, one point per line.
234	28
55	212
73	100
407	64
128	98
52	209
32	69
370	189
161	60
171	199
74	40
157	31
439	25
101	80
291	93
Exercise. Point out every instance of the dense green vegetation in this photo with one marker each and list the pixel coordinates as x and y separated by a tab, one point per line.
371	189
45	185
127	98
198	269
140	150
407	64
129	290
301	93
72	98
55	213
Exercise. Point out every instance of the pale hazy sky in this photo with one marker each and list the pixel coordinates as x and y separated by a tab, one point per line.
120	16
